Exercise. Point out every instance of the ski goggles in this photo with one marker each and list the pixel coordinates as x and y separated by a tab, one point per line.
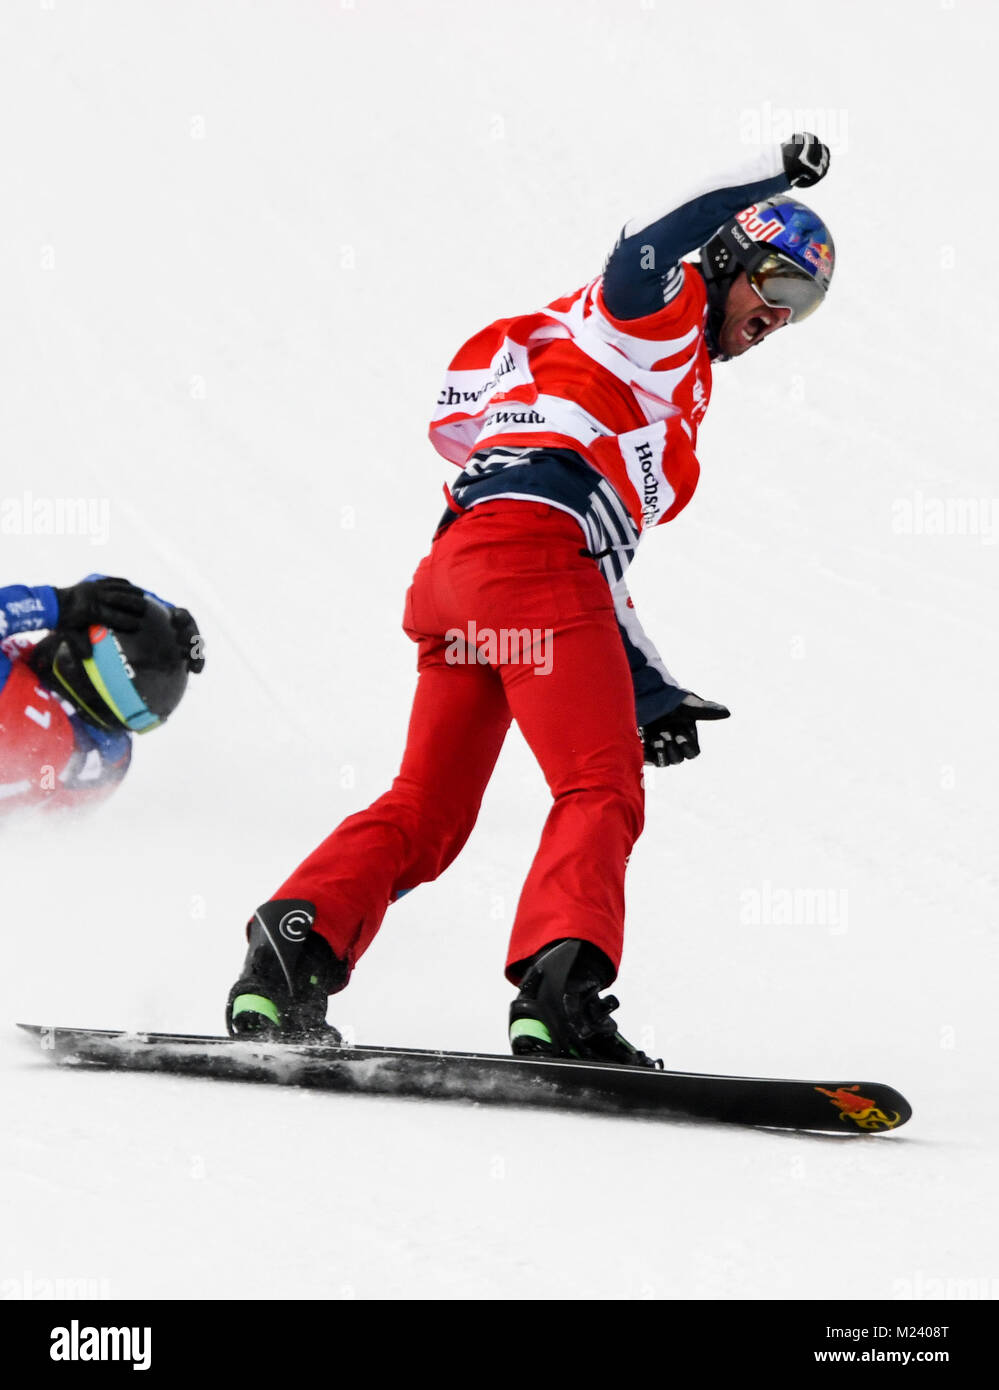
108	672
782	285
100	680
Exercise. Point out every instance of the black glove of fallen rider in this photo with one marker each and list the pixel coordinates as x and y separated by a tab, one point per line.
108	602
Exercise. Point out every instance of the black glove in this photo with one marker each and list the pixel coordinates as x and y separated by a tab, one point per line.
189	639
806	159
108	602
673	737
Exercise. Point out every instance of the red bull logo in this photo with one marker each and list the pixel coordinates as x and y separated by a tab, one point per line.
863	1112
817	254
755	225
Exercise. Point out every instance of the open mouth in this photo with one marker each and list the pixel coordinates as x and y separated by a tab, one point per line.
754	328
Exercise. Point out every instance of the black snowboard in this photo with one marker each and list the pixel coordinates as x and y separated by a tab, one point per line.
841	1107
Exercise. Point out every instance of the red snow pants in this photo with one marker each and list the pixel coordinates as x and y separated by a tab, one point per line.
506	567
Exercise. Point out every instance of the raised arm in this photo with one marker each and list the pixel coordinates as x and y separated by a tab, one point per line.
642	273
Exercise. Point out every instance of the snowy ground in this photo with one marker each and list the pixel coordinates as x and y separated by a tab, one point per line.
238	246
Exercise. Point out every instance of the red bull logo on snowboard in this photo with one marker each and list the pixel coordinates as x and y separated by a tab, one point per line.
863	1112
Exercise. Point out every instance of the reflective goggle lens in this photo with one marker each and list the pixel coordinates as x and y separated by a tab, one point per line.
782	286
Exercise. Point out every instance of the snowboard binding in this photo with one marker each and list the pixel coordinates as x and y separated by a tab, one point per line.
288	974
559	1011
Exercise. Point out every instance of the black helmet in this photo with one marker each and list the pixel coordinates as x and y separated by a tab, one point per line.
129	680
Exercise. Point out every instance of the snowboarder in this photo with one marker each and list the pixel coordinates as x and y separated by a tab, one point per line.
115	662
575	430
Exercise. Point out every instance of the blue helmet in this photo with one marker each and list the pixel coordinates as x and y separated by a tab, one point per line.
783	246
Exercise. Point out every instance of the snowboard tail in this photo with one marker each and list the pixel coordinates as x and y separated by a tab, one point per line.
830	1106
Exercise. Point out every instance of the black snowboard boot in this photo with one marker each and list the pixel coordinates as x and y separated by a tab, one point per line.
559	1011
287	976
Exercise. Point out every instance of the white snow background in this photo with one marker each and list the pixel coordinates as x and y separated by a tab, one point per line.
238	245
